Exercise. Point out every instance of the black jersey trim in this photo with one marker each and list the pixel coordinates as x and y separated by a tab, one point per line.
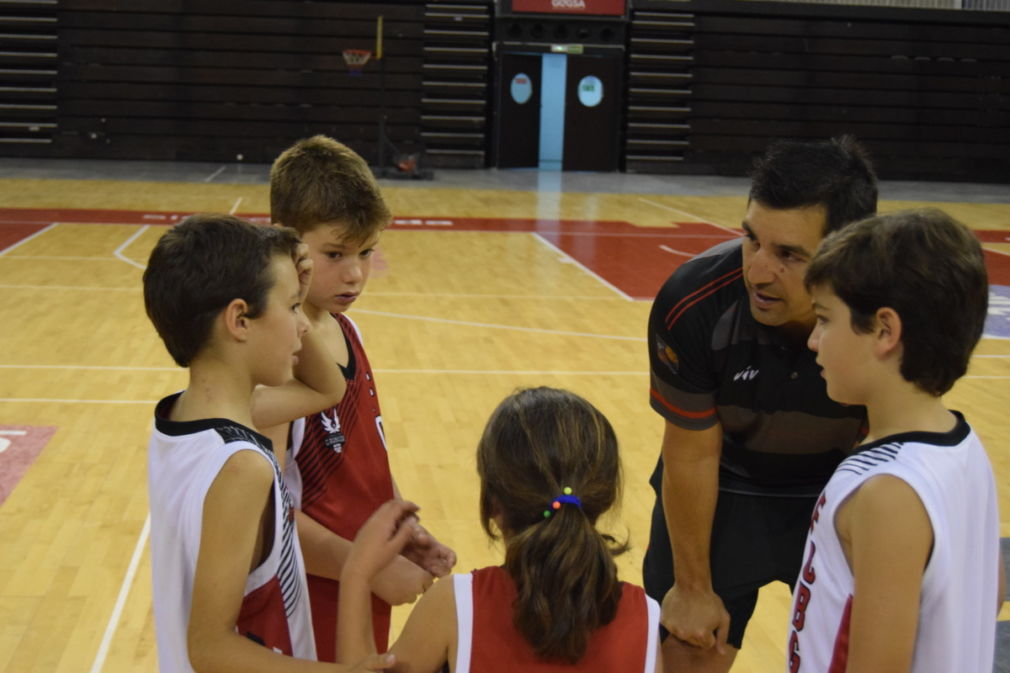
352	362
172	428
952	437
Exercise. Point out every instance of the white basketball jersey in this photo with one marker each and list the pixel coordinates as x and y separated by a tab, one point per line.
183	461
953	478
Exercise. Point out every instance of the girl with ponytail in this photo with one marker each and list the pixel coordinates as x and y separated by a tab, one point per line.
549	468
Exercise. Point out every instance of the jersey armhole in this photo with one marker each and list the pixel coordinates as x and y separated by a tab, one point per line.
463	589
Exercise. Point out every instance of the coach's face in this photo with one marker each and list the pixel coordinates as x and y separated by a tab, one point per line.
779	246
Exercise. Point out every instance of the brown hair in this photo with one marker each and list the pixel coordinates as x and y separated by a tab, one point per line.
926	266
199	266
537	442
836	174
319	180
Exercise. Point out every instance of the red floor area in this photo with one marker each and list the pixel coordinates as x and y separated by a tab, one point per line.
636	260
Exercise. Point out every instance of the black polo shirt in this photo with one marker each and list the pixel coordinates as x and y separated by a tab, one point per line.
712	361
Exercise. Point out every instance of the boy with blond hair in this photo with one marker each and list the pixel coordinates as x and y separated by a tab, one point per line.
340	471
902	564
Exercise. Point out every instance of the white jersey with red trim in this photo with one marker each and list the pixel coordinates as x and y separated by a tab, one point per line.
184	459
951	474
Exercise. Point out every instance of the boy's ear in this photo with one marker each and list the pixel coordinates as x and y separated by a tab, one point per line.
888	330
236	320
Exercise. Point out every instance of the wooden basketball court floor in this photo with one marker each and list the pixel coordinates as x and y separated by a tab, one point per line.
487	281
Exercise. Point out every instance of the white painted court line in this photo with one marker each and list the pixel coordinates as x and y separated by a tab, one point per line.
48	400
119	251
213	175
234	208
429	295
96	367
72	287
124	592
537	330
579	264
19	243
82	258
492	295
684	212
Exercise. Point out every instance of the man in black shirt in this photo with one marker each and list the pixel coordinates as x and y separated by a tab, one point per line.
751	436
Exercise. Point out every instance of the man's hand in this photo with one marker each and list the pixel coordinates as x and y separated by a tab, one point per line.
697	618
401	582
430	554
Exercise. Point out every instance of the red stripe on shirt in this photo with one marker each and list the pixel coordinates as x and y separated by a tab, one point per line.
704	291
677	410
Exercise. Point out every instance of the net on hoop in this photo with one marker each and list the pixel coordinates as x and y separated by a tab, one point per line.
356	59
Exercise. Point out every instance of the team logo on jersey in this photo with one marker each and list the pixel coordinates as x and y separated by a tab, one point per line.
745	374
667	356
334	439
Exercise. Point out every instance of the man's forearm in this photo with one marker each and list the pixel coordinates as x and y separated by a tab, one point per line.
690	493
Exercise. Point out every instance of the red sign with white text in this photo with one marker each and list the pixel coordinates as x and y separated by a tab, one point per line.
593	7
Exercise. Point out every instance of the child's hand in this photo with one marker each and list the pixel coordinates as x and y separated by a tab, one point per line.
303	265
430	554
381	538
401	582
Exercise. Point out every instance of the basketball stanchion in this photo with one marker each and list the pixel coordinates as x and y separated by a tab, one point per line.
406	165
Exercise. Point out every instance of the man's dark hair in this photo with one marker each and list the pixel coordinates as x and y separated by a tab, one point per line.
926	266
199	266
836	173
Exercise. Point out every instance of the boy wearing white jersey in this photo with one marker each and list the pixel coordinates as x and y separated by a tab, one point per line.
901	570
229	582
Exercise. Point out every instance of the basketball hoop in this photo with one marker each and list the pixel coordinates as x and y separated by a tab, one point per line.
356	60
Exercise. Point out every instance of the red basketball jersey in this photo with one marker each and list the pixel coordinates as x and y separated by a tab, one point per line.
344	472
487	641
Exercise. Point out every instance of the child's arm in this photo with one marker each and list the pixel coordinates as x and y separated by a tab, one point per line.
378	542
325	553
427	637
318	382
230	546
887	537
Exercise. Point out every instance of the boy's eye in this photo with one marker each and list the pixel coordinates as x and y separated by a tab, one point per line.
295	307
334	255
365	254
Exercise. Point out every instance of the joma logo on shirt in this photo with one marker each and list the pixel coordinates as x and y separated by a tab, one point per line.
745	374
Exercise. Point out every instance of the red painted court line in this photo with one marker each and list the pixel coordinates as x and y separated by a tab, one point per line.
20	445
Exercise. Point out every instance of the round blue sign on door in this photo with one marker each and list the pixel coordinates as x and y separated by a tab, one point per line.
522	88
590	91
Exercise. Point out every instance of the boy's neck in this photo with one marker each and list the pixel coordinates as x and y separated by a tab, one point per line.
905	407
315	314
215	391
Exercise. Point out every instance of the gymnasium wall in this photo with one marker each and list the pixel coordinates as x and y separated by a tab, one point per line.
712	81
709	82
216	79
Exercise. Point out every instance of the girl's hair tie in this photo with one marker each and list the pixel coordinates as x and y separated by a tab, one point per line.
565	498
